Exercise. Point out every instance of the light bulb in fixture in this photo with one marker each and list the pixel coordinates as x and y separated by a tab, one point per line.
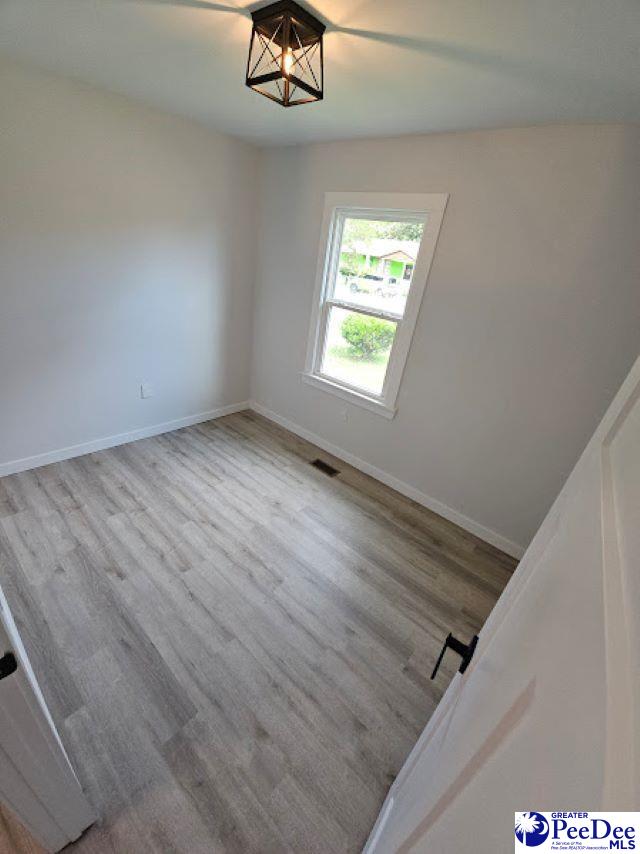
288	61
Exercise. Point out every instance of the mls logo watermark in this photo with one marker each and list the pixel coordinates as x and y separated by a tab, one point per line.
576	831
532	828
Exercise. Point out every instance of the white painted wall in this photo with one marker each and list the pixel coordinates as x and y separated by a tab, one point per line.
530	321
126	256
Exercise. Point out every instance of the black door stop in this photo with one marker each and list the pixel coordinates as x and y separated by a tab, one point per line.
464	650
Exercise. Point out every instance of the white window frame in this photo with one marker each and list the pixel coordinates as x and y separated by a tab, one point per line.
423	207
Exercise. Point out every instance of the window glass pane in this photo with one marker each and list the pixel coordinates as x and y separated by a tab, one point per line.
376	261
357	349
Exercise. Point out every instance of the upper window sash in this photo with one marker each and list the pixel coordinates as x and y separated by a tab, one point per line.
341	214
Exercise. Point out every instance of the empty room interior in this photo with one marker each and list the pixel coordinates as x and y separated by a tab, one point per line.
319	426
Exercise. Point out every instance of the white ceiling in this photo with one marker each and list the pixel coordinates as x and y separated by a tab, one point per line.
391	66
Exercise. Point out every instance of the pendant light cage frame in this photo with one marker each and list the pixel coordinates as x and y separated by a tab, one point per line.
286	61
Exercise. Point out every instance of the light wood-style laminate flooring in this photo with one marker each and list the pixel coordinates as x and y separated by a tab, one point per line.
236	648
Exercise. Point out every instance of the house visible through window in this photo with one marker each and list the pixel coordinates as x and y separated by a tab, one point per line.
362	326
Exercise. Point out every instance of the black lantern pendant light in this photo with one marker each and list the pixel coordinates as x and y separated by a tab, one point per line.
285	55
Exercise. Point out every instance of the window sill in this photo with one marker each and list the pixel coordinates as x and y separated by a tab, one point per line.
363	400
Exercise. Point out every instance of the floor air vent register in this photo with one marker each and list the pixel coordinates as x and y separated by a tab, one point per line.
325	468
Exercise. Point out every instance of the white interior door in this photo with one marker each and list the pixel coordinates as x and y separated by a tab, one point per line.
36	779
546	715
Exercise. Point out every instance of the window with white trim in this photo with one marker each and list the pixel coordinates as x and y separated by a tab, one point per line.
375	254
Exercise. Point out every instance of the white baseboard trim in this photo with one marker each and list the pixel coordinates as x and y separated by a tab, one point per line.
486	534
15	466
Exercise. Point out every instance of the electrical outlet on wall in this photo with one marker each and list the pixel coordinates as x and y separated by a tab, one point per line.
146	390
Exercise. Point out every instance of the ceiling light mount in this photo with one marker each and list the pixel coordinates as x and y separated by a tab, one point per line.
285	55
